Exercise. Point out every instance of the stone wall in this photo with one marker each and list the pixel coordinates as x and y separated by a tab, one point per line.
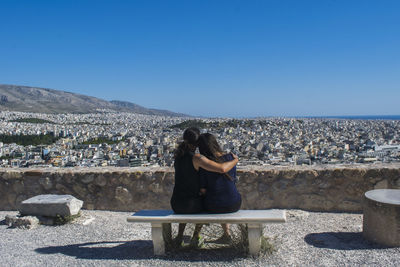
329	188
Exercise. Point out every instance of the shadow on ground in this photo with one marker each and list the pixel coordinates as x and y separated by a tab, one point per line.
139	250
340	241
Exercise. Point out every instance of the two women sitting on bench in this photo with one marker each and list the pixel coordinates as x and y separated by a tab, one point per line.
203	182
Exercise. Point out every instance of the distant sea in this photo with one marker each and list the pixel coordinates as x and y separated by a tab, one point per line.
363	117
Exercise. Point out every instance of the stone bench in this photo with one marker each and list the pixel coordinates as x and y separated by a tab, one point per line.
161	224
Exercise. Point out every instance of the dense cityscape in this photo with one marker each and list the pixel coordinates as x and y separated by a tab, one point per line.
130	140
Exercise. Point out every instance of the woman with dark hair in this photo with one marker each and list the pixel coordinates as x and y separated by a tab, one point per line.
186	198
220	192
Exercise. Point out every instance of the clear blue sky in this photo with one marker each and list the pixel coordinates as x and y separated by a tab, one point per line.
210	58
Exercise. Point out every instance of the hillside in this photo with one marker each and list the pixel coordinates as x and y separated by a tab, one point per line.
42	100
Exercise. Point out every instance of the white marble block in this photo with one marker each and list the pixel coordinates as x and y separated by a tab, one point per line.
51	205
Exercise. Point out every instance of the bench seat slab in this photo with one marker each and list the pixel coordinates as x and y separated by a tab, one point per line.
241	216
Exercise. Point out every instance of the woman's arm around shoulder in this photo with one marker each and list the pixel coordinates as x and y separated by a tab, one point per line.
212	166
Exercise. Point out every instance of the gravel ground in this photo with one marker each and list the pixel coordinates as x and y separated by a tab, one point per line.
307	239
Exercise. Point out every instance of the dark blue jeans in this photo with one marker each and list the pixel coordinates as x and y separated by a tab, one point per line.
214	209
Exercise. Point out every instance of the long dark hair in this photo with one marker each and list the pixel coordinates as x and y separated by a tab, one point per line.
209	147
189	143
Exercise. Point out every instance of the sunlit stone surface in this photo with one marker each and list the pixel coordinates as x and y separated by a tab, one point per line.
381	223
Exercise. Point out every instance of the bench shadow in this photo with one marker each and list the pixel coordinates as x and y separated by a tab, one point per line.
341	241
137	250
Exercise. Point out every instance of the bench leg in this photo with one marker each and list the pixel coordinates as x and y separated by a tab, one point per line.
254	234
158	241
167	234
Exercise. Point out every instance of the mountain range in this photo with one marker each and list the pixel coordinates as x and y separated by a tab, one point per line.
43	100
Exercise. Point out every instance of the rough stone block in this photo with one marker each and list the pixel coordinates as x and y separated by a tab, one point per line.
9	219
51	205
123	194
25	222
382	185
381	222
46	183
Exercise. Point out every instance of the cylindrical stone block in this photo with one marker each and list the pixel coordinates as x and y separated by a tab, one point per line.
381	222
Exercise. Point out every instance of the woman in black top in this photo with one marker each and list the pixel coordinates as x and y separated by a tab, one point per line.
186	195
